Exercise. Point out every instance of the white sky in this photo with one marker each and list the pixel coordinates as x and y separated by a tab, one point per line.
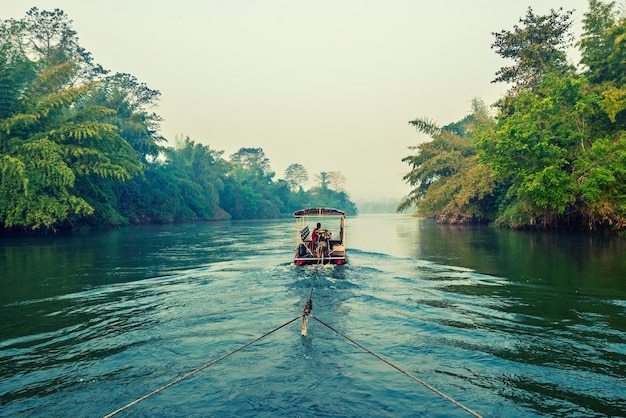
329	84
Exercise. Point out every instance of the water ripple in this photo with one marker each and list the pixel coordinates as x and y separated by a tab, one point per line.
502	345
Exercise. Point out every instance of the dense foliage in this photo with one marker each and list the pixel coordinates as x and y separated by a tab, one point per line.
554	154
80	147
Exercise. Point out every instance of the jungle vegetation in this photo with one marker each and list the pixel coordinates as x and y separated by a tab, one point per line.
552	152
80	147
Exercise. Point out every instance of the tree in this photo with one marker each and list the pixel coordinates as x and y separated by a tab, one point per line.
337	180
449	181
253	159
536	47
131	101
48	37
322	178
128	101
249	190
296	175
555	155
532	152
53	137
16	69
54	140
596	43
603	52
202	169
80	147
600	175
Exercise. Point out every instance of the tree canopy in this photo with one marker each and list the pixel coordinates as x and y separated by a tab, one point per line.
80	147
538	46
553	155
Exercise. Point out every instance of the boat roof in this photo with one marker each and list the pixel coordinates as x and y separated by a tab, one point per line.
319	212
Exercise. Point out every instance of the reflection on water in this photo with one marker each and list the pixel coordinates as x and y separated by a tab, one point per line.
509	323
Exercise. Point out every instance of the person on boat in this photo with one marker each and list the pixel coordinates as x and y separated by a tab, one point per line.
314	235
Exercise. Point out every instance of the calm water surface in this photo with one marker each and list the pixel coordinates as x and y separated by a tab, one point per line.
506	323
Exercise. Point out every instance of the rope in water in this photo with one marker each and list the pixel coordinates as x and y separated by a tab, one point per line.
305	313
421	382
211	363
309	303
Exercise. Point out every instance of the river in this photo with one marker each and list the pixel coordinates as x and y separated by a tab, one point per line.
505	323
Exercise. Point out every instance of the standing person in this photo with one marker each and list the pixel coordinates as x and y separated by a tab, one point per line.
314	235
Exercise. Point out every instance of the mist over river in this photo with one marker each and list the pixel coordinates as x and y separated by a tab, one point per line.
506	323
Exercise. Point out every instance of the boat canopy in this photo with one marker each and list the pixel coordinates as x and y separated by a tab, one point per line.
318	212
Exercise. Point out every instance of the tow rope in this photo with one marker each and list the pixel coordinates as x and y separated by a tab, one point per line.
309	303
188	375
306	312
421	382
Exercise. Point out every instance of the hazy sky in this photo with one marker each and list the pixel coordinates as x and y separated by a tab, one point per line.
329	84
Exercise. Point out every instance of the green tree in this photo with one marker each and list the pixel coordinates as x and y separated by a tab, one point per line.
81	147
600	175
325	197
16	70
296	175
603	53
533	149
48	38
52	135
448	180
596	43
558	146
253	159
53	140
203	168
132	102
249	189
536	47
128	102
555	154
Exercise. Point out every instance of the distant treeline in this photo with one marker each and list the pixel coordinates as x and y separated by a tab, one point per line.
377	205
79	147
553	156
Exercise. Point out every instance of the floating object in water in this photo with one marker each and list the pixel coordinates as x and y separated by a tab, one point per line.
305	313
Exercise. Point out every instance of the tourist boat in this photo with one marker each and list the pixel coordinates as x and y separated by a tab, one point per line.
325	244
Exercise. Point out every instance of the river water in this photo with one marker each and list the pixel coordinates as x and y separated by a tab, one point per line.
505	323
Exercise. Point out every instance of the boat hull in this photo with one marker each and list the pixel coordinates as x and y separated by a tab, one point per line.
304	261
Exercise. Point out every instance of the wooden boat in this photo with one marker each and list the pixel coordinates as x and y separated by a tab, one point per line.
321	236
